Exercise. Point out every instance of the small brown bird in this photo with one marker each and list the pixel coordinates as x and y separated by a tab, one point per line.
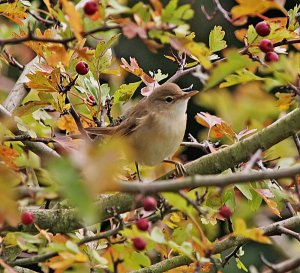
155	126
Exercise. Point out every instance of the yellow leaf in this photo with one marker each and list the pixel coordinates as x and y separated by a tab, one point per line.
74	18
255	234
270	203
67	123
14	11
285	100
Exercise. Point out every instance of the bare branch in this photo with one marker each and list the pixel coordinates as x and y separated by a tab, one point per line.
208	180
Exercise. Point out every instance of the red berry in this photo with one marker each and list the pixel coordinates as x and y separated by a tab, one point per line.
266	45
90	7
92	98
149	203
82	68
225	212
27	218
143	224
139	243
263	28
271	57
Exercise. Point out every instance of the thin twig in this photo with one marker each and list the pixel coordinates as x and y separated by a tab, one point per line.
42	20
12	61
230	255
27	138
191	202
297	142
289	232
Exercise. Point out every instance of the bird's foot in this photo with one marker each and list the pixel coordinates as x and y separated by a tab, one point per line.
179	168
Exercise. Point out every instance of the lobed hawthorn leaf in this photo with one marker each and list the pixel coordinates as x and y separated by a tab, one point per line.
15	11
266	195
234	62
246	8
241	76
74	18
293	13
125	92
216	42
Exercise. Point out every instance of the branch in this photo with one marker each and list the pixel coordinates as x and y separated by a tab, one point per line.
221	246
44	257
19	91
285	266
66	220
207	180
37	147
31	37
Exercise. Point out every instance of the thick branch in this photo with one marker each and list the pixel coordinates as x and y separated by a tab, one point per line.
19	91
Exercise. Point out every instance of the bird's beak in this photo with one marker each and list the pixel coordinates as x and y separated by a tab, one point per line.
189	94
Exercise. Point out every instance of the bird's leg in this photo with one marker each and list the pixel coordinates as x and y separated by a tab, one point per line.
179	167
137	171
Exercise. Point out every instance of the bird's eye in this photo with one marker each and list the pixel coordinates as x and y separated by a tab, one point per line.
168	99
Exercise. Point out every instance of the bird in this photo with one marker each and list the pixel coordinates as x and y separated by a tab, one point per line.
154	128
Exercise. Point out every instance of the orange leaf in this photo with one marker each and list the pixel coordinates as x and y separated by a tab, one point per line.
67	123
74	18
285	100
8	156
266	194
14	11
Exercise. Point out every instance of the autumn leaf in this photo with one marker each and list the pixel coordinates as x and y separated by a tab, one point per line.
67	123
125	92
8	156
247	8
44	81
216	39
75	19
14	11
255	234
285	100
267	195
215	124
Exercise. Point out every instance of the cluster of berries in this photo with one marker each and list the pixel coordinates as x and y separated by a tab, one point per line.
263	29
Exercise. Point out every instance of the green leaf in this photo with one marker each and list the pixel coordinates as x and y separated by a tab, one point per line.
240	265
235	62
216	42
293	24
251	35
157	235
245	190
69	180
137	260
125	92
256	201
241	76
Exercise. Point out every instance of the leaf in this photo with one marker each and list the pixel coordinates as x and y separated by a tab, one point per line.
240	264
255	234
247	8
68	124
14	11
44	81
8	157
216	42
74	19
234	62
244	133
176	15
198	51
245	190
72	187
216	125
125	92
157	236
293	13
285	100
266	195
241	76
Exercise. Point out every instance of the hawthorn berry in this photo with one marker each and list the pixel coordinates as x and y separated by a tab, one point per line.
266	45
90	7
271	57
82	68
225	212
149	203
27	218
143	224
263	29
139	243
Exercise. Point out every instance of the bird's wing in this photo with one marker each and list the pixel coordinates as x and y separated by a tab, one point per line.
102	130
